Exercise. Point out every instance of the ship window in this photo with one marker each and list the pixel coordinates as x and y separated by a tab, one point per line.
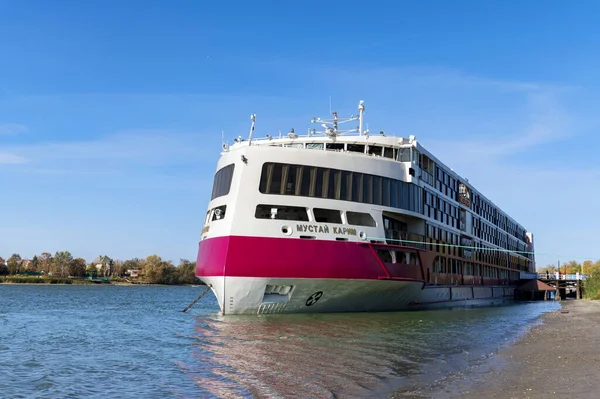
414	259
346	186
292	179
222	182
314	146
280	212
385	256
367	189
219	212
334	146
388	152
375	150
385	189
404	155
357	181
319	182
308	175
356	148
327	215
377	200
360	219
400	257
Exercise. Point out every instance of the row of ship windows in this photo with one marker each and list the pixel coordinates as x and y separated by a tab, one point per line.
455	266
441	180
431	174
317	182
399	154
447	242
320	215
300	214
311	181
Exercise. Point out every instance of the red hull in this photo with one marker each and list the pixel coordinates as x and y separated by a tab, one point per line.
238	256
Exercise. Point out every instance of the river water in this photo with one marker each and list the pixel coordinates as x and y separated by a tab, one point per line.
122	342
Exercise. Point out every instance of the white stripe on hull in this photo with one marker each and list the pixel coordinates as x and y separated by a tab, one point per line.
250	295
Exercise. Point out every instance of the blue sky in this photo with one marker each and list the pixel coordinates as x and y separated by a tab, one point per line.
111	112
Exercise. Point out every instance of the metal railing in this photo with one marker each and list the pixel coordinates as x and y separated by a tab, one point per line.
561	276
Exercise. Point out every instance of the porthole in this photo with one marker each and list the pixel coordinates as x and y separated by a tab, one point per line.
287	230
362	235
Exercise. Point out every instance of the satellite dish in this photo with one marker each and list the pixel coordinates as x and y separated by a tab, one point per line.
225	147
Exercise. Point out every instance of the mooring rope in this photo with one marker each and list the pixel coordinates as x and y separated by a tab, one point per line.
197	299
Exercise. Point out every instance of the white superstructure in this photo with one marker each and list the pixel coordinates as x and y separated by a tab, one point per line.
346	220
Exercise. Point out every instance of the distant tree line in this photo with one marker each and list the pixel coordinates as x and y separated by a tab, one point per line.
153	269
591	286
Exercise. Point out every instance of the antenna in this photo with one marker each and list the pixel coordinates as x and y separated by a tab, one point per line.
361	109
253	118
331	125
224	145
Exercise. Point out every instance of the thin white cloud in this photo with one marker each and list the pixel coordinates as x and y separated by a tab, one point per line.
124	149
393	77
7	129
546	122
11	159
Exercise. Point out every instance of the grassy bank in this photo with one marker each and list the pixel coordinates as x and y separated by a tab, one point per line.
591	286
41	280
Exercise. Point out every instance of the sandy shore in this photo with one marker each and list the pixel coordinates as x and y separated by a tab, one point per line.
559	358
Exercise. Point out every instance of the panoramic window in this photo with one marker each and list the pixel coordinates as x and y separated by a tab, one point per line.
281	212
404	155
356	148
314	146
314	181
375	150
360	219
389	152
222	182
334	146
327	215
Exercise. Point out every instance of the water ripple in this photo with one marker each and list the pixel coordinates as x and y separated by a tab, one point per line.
116	342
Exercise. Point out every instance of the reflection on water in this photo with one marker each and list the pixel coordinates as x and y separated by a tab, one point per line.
129	342
348	355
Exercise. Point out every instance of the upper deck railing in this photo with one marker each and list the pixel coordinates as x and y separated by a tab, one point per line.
331	130
554	276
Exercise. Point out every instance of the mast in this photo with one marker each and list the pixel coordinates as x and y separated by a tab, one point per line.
361	109
331	126
253	118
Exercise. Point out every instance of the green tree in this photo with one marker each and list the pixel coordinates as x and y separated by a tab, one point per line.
61	262
77	267
3	268
153	269
13	263
45	262
35	263
186	272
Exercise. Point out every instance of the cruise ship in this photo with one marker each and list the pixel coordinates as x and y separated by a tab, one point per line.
347	220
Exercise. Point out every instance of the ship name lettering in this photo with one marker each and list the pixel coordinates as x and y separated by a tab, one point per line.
312	228
344	230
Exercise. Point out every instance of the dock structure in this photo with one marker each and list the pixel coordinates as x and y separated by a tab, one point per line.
566	285
535	290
